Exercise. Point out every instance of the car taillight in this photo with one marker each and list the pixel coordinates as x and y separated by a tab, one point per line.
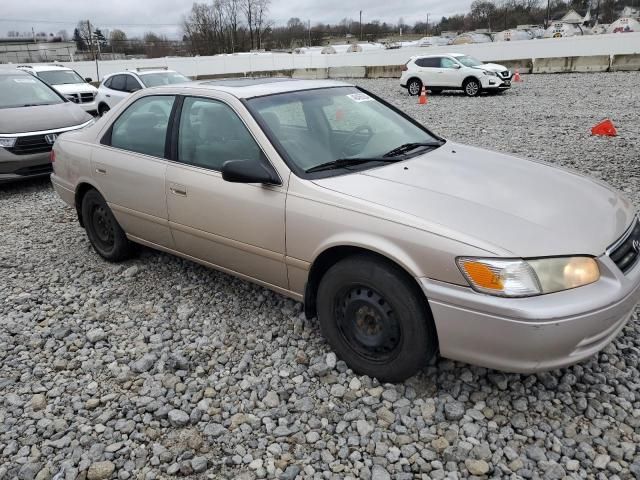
52	156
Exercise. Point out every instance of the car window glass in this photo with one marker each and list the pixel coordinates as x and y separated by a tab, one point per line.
131	84
343	114
428	62
118	82
288	115
107	82
22	90
211	133
142	128
447	63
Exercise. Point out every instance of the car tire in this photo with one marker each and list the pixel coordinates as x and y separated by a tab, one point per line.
375	318
414	87
104	232
102	109
472	87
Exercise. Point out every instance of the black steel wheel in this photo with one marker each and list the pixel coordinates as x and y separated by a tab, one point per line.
104	232
375	318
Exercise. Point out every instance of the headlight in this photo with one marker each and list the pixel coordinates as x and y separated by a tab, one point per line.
525	278
7	142
491	74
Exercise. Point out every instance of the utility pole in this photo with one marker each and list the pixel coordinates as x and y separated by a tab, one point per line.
427	32
309	23
546	24
93	52
360	25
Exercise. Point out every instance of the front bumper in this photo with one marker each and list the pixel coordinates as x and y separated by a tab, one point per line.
533	334
22	167
496	83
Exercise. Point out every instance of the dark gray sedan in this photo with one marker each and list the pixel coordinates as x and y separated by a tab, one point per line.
32	115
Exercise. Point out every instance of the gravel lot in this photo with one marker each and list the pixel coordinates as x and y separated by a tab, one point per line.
160	368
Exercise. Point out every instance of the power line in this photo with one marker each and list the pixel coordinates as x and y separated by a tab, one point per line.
61	22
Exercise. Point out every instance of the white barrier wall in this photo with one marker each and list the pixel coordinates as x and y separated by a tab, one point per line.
611	44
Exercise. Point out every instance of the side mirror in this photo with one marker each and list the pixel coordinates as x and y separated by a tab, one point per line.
456	66
249	171
88	79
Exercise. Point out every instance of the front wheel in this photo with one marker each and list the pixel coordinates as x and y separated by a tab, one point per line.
106	236
472	87
414	87
375	318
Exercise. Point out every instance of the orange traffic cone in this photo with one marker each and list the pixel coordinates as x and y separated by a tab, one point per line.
605	128
516	77
423	96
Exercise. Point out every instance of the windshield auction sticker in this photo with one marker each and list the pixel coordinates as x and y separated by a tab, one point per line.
24	80
360	97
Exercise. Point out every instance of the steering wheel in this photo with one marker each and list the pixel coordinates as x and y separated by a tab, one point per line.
349	146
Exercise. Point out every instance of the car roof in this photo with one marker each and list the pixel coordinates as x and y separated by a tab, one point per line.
439	55
14	71
257	87
140	73
43	68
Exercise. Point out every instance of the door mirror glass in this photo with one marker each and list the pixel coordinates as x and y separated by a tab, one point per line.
249	171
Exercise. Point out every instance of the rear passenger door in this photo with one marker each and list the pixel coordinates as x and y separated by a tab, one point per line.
429	71
233	226
129	168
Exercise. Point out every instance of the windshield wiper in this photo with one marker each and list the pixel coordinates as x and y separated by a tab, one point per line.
347	162
407	147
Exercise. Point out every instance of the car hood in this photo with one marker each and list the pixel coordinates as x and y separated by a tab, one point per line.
502	204
43	117
75	88
491	67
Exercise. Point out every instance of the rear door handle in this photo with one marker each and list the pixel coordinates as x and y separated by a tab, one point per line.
108	96
101	171
179	190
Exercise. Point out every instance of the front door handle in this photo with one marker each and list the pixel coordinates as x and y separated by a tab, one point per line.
101	171
108	96
176	189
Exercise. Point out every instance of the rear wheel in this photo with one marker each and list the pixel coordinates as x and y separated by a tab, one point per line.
414	86
102	109
375	318
472	87
105	235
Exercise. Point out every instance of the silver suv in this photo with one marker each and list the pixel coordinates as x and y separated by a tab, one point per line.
32	115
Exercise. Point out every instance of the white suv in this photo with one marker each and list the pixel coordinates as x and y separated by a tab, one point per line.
118	86
454	71
68	83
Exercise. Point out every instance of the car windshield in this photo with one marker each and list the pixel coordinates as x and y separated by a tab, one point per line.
61	77
25	91
469	61
162	78
315	127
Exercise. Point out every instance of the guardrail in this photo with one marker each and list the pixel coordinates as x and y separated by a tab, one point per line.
586	53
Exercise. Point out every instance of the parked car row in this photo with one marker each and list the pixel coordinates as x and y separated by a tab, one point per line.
40	102
289	174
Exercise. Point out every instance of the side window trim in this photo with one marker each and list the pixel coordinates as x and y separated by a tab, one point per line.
175	132
106	138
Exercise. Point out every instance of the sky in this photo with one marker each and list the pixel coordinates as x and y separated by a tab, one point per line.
164	16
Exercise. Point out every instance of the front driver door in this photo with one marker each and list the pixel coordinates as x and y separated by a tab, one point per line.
236	227
451	72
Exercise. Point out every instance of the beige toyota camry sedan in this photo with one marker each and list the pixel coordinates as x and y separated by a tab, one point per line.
403	244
